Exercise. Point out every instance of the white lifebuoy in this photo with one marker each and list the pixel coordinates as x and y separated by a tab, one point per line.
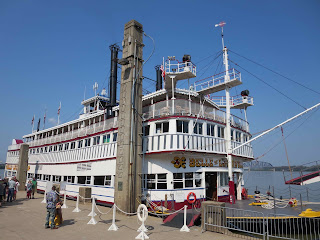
144	210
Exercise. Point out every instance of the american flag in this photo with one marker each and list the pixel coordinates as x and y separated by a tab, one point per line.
59	109
163	72
44	117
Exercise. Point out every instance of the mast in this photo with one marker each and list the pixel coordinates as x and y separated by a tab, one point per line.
228	120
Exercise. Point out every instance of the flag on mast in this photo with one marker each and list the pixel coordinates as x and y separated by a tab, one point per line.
59	109
32	121
44	118
59	113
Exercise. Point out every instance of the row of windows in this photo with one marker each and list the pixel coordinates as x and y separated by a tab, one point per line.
13	153
76	144
97	180
183	127
180	180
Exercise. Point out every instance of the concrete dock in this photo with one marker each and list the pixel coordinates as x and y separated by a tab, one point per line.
25	218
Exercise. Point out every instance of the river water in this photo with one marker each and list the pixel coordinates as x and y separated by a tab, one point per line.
267	180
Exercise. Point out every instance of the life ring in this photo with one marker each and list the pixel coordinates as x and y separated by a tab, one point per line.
144	210
194	197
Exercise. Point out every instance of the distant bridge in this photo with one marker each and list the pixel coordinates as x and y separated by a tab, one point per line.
257	164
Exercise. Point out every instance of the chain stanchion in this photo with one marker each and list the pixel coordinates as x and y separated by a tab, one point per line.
64	200
92	213
185	227
142	213
77	205
92	220
113	226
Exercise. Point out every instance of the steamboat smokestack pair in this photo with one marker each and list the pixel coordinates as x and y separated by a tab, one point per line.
113	79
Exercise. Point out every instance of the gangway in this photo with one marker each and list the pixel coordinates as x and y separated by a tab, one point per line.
312	175
218	82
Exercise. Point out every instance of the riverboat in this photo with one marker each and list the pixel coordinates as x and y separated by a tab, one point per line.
187	135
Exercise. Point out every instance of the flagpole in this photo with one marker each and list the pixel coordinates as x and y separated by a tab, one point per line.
32	123
59	114
44	119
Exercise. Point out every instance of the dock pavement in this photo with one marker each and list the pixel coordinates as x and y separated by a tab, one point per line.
25	219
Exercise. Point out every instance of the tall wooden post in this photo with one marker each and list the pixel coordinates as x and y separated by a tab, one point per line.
129	162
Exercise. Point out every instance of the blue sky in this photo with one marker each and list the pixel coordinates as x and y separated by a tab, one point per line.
51	51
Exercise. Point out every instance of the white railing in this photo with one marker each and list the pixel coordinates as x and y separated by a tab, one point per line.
174	68
221	101
216	80
80	132
107	150
183	107
192	142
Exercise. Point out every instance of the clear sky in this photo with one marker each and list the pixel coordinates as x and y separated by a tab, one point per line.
50	51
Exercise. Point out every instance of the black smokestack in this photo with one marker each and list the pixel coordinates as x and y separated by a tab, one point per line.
159	78
113	75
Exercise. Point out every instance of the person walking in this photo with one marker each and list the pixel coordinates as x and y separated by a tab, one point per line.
1	191
29	189
16	189
12	186
34	186
52	200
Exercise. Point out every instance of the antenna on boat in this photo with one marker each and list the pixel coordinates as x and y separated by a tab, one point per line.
95	87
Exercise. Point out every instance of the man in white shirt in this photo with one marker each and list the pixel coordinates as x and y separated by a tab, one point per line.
12	186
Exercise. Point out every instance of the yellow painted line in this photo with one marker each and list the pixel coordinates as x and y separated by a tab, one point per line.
285	217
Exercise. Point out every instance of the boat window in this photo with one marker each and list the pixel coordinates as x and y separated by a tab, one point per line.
106	138
182	126
50	149
221	132
38	176
80	144
238	136
98	180
69	179
73	145
177	180
41	150
87	142
188	179
30	151
60	147
46	177
210	130
98	140
162	127
56	178
197	128
197	179
224	181
45	149
146	130
107	181
55	148
84	179
162	181
115	136
37	150
232	135
34	150
150	180
66	146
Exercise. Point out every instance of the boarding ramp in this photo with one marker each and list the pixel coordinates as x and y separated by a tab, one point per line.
309	173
